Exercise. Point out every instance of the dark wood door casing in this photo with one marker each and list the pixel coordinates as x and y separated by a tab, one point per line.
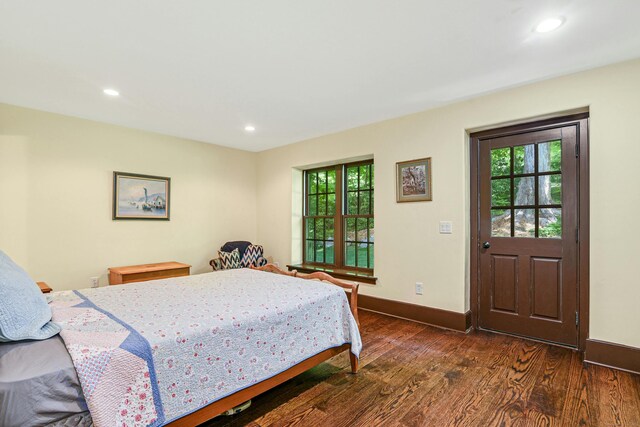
544	263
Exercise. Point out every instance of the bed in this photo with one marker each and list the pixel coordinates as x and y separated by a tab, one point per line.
181	351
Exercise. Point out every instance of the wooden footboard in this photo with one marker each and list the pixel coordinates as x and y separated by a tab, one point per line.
218	407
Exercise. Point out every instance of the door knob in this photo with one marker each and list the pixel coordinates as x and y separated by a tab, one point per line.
486	245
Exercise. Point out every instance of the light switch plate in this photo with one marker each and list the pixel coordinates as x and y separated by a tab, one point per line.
446	227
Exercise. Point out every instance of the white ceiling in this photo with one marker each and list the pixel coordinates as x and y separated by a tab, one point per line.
203	69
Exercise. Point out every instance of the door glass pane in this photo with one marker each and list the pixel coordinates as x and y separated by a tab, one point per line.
319	251
550	223
530	193
501	162
524	159
550	189
525	223
350	255
328	249
500	223
501	192
549	156
525	191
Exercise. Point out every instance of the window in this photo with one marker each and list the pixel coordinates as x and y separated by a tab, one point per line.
526	190
338	224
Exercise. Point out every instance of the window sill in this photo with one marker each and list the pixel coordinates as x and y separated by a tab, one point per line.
338	273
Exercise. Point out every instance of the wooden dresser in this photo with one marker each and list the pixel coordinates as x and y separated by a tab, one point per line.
144	272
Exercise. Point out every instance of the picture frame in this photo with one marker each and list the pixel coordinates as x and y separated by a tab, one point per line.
413	180
141	197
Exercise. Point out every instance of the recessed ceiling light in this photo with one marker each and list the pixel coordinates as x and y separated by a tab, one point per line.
250	128
549	25
111	92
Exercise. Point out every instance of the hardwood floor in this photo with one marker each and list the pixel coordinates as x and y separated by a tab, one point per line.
417	375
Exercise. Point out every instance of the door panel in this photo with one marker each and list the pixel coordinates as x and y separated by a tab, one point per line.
504	281
527	226
546	287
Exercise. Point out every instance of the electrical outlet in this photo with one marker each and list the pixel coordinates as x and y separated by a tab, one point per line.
418	288
95	281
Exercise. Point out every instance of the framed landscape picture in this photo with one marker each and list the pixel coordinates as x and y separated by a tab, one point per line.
141	196
413	180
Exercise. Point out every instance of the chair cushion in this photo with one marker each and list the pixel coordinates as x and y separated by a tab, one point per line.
251	256
24	312
229	260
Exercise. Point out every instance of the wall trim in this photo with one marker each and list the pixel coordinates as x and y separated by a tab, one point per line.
522	121
613	355
453	320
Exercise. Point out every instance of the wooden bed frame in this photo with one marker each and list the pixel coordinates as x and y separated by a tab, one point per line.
218	407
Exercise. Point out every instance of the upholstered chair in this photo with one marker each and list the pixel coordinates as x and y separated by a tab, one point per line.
249	255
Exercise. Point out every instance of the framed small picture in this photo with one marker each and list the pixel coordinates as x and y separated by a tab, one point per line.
413	180
141	196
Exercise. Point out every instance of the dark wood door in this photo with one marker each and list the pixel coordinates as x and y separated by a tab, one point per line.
527	234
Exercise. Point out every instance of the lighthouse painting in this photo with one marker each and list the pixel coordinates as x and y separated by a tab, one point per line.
140	196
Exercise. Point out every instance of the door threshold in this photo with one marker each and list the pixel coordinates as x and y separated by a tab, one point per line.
538	340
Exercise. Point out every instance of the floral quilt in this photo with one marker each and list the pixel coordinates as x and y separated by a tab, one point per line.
149	353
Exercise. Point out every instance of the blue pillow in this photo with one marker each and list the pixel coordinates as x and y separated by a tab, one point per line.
24	312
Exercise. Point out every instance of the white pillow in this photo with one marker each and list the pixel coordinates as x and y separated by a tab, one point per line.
230	260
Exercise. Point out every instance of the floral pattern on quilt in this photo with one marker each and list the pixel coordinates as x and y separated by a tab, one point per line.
176	345
136	407
90	365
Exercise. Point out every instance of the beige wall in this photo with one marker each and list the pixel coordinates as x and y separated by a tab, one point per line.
56	180
56	183
408	245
